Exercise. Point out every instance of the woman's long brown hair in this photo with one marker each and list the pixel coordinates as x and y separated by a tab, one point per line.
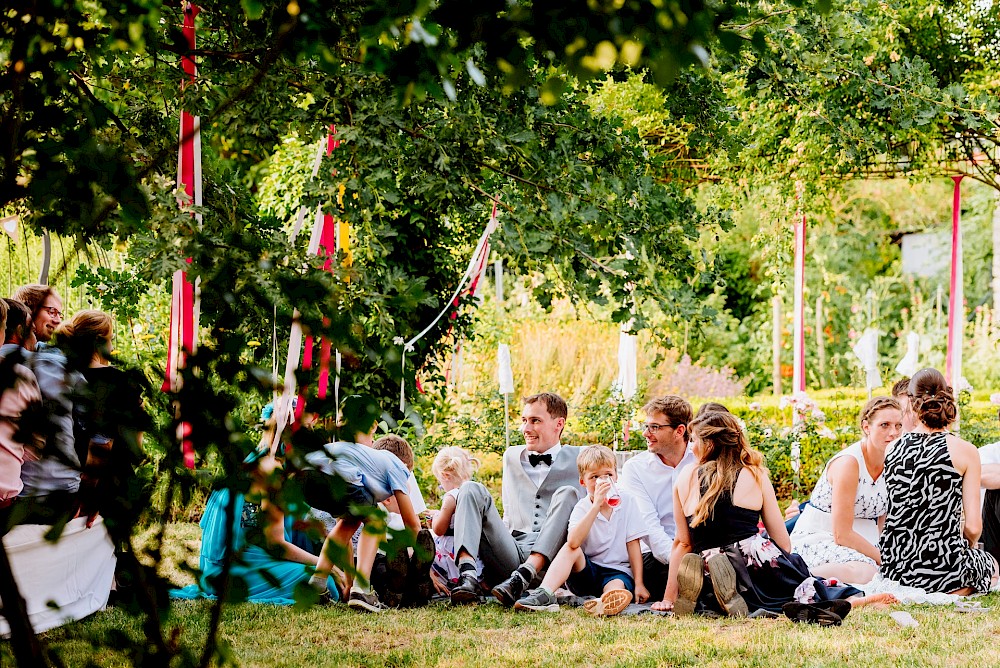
725	452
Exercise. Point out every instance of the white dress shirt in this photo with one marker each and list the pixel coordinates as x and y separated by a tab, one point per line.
988	454
537	473
651	484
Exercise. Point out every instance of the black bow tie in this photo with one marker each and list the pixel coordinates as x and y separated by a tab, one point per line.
535	460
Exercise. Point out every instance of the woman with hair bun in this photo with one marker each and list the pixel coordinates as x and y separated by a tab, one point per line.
933	521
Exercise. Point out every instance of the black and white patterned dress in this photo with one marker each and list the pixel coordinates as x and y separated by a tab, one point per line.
922	544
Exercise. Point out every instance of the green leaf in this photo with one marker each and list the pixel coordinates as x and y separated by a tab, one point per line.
254	9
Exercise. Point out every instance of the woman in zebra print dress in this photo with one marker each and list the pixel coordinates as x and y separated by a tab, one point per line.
933	481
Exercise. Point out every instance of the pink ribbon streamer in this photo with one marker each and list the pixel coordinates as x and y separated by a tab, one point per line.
798	346
956	306
328	248
183	310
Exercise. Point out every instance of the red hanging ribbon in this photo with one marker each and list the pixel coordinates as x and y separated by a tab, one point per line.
183	327
328	249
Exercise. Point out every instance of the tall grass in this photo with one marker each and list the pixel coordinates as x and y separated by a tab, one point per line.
579	360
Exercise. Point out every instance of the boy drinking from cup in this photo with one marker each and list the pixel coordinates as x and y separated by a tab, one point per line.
602	556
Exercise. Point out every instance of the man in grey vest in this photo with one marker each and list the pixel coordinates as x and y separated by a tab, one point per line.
540	487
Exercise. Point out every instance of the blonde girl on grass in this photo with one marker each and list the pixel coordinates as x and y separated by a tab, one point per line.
452	467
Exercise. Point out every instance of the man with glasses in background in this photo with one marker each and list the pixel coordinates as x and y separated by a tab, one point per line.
46	308
649	477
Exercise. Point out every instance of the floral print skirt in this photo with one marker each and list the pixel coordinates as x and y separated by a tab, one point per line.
768	577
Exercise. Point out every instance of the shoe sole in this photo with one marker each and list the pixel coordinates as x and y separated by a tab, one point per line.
723	578
690	579
464	597
838	606
609	604
552	607
365	605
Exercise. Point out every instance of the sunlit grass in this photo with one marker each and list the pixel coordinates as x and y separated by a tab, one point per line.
488	635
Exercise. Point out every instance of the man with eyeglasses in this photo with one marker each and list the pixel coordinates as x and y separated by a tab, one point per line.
649	477
46	308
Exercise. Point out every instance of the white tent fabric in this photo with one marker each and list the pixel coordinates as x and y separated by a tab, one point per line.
62	581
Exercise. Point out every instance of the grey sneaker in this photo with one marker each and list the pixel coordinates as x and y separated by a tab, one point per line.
366	601
538	600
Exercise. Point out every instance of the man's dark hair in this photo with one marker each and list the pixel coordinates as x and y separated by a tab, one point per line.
18	320
554	404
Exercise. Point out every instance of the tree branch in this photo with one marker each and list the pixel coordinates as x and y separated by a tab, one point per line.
93	98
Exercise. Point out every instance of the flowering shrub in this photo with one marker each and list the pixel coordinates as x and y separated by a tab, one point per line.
827	421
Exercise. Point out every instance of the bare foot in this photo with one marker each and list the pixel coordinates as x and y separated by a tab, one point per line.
880	600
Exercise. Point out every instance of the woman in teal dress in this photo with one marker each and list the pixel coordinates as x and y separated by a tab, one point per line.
266	566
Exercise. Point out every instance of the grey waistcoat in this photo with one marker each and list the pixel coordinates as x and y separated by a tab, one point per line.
524	505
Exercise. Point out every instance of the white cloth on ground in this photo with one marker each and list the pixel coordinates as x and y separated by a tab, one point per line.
75	573
907	595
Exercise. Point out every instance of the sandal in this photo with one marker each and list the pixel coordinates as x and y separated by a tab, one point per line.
609	604
810	614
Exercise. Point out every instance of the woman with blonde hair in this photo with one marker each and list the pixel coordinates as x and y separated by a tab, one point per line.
717	505
838	531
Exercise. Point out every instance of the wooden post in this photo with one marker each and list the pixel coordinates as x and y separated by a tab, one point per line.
776	345
820	342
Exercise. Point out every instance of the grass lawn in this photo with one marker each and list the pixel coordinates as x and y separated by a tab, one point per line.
488	635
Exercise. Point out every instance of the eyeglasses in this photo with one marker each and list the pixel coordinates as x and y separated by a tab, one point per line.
53	311
652	427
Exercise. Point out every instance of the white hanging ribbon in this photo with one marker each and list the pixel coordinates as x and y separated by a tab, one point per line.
498	274
505	374
909	364
627	382
283	405
477	262
866	350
